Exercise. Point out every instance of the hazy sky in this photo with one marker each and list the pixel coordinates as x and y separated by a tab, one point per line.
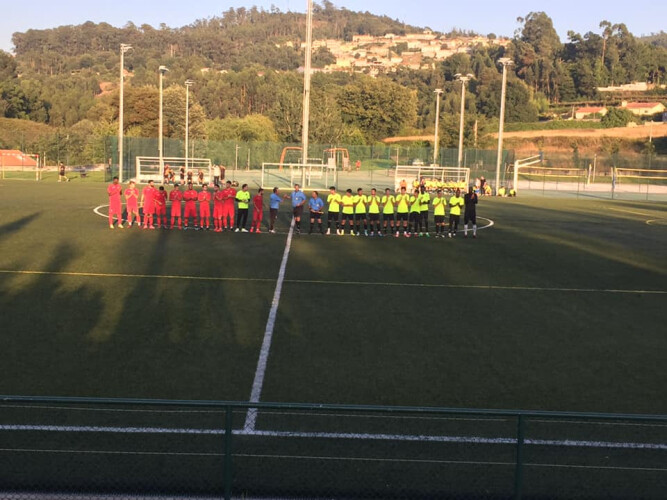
484	16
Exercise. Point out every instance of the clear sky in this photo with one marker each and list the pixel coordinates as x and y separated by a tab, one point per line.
484	16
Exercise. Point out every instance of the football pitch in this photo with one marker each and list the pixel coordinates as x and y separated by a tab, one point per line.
559	305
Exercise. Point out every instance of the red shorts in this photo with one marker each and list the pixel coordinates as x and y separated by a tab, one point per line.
228	211
205	210
132	208
149	209
190	210
217	211
176	209
257	216
115	209
161	210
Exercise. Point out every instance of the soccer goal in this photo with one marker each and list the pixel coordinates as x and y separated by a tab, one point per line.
15	164
636	181
309	176
550	178
149	168
446	178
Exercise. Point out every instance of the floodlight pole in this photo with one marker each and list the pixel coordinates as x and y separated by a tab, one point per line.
123	48
162	70
436	140
505	61
463	79
306	91
188	84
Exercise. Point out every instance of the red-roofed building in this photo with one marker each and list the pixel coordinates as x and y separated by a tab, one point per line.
11	158
587	111
644	108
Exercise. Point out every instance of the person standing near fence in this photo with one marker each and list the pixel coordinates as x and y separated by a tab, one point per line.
298	201
348	212
360	212
388	201
374	212
190	197
316	206
274	204
161	207
216	175
439	207
243	199
402	211
115	204
333	214
455	205
132	204
204	198
61	173
257	212
148	204
175	197
470	214
228	196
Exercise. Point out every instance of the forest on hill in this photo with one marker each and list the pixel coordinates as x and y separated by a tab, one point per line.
245	65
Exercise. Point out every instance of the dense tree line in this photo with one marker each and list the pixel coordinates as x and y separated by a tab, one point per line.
244	66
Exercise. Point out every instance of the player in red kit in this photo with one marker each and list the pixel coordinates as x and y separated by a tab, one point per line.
218	203
204	207
148	204
175	197
115	205
190	197
257	212
132	204
229	197
161	207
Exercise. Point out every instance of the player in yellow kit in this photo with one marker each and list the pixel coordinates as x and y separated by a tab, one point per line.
402	210
388	217
373	201
456	203
439	206
360	212
348	212
334	201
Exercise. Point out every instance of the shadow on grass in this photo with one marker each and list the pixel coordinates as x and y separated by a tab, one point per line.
12	227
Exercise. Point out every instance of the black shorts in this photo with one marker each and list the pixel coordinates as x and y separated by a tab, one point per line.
349	217
424	214
415	216
388	217
298	211
374	217
316	215
439	219
470	217
402	217
333	216
359	217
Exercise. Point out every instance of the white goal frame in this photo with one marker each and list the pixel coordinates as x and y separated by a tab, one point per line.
151	168
457	177
308	176
642	180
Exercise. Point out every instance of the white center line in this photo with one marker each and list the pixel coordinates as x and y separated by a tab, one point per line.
258	383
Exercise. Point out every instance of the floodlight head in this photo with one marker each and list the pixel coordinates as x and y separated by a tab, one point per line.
438	91
163	69
124	47
505	61
189	83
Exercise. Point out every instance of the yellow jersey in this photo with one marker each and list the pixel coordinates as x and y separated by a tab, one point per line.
348	204
403	202
243	197
334	201
439	205
455	204
416	204
388	204
373	204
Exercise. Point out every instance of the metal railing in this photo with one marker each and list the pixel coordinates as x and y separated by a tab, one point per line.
88	447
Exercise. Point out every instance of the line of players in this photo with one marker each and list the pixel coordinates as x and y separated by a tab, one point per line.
390	214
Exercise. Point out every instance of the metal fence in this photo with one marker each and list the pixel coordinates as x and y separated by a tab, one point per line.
120	448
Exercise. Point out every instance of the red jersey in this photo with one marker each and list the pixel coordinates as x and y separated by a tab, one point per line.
229	195
114	191
258	202
190	196
204	196
132	197
160	198
175	196
218	198
148	195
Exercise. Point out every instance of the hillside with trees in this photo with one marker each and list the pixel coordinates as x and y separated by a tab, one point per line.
248	87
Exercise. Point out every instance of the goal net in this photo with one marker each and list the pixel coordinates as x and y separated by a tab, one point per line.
309	176
149	168
15	164
645	182
550	178
446	178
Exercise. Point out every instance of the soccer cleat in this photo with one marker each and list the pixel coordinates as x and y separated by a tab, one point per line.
328	231
272	231
365	233
407	235
474	236
110	225
372	234
237	230
244	230
397	234
421	234
449	234
381	235
258	231
351	233
252	229
120	226
428	235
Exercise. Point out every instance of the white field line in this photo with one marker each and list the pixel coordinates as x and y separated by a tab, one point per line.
566	443
260	372
332	282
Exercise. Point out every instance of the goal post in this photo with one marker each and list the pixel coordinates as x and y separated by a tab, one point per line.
639	181
550	178
446	178
148	168
309	176
15	164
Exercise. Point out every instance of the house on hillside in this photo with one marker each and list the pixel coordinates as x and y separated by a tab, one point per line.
644	108
13	158
589	111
